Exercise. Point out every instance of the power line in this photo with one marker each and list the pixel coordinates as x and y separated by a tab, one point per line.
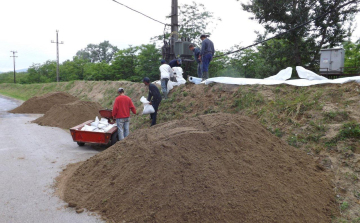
141	13
292	29
13	56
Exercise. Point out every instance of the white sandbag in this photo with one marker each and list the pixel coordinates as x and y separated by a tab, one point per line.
88	128
104	121
148	108
283	75
109	127
96	123
170	86
308	74
179	76
144	100
195	80
101	126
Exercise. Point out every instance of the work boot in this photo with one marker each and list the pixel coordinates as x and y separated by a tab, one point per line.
205	76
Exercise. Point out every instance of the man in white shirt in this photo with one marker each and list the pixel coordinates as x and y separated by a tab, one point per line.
165	73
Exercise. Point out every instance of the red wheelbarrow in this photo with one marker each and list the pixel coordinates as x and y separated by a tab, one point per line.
105	138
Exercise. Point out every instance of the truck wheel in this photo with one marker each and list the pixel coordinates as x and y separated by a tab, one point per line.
114	138
81	143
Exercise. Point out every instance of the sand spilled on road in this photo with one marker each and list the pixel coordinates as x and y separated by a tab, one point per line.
42	104
212	168
70	115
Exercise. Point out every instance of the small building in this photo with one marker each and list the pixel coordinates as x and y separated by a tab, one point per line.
332	61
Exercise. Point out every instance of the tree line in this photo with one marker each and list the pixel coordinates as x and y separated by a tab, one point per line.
298	47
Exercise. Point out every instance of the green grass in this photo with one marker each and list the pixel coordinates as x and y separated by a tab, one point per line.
350	130
336	115
344	206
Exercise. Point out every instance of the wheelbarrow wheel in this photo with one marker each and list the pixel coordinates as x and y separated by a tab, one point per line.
114	138
81	143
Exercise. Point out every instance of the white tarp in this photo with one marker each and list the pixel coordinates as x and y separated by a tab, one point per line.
309	79
308	74
283	75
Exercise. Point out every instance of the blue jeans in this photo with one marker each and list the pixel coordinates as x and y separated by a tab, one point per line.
199	70
164	83
206	62
123	125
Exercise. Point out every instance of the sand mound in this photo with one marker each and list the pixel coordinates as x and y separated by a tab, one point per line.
70	115
42	104
213	168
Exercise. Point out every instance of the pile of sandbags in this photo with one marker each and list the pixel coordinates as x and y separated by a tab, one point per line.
101	125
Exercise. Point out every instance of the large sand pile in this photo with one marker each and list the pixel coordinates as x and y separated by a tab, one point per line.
70	115
214	168
42	104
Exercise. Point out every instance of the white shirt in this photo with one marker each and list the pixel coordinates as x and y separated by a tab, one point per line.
166	71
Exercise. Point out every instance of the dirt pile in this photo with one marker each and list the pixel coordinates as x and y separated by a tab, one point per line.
69	115
42	104
213	168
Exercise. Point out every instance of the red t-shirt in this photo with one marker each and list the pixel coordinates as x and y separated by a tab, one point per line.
122	107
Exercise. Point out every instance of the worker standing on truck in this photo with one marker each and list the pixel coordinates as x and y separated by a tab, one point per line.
154	98
121	112
165	74
196	52
175	63
206	55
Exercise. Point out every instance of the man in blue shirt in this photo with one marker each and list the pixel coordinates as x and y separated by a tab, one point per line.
196	52
175	63
206	54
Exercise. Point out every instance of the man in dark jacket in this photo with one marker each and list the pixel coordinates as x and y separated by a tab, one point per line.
175	63
196	52
154	98
206	54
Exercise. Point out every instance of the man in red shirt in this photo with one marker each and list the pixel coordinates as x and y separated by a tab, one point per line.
121	112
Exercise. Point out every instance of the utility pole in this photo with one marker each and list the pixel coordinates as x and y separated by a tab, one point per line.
174	27
13	56
57	53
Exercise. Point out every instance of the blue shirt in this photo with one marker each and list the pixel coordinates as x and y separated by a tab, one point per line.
196	52
207	47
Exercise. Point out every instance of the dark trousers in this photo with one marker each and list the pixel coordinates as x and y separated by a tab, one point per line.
206	59
153	115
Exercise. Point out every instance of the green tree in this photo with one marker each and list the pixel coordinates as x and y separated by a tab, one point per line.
352	57
125	64
148	62
103	52
34	74
97	71
302	46
73	69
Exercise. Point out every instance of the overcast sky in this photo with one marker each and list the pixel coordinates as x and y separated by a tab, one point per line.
29	26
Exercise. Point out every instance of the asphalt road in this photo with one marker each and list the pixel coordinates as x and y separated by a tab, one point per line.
31	157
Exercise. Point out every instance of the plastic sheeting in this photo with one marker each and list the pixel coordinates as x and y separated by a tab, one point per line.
283	75
308	75
309	78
